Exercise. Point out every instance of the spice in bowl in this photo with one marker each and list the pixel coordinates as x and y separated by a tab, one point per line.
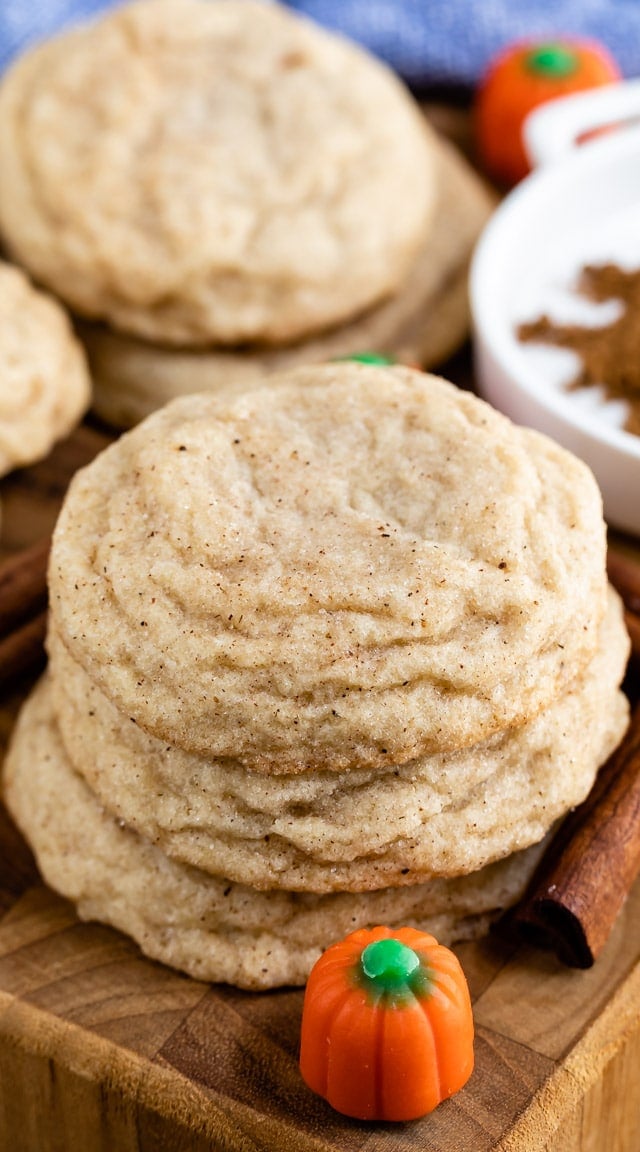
610	353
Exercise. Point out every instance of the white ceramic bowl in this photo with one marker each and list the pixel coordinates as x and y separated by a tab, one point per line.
581	207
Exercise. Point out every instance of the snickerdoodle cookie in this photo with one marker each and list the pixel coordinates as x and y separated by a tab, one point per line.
203	924
362	828
422	322
198	172
44	381
354	565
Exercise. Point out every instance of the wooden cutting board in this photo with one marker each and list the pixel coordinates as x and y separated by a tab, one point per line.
104	1051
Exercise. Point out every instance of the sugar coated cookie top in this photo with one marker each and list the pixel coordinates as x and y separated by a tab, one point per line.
352	565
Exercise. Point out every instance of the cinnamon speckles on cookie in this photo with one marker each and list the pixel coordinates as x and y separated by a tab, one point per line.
202	923
335	652
363	828
354	564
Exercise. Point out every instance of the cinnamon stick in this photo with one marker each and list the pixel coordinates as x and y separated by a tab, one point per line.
22	651
624	574
23	602
583	881
23	585
633	628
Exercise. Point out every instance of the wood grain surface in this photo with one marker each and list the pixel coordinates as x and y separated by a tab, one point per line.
104	1051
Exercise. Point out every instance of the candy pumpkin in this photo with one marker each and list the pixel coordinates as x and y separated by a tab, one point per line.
387	1026
521	78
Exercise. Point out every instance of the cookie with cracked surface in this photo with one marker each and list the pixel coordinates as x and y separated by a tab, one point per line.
423	322
202	172
353	565
44	380
202	924
360	829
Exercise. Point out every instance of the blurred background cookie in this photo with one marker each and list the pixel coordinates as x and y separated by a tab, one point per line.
197	173
228	190
44	380
423	322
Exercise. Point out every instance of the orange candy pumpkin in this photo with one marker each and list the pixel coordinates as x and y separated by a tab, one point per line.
387	1025
521	78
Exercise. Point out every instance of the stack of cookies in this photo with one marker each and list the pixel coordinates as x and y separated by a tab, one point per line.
335	652
227	190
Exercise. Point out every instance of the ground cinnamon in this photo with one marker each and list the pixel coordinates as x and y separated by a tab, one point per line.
609	354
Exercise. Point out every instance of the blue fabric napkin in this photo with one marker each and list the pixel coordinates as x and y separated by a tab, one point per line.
451	42
430	42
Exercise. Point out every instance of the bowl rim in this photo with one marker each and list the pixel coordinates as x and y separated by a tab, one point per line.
488	324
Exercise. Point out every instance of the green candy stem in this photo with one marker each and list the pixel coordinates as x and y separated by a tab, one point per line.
552	60
388	964
370	358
